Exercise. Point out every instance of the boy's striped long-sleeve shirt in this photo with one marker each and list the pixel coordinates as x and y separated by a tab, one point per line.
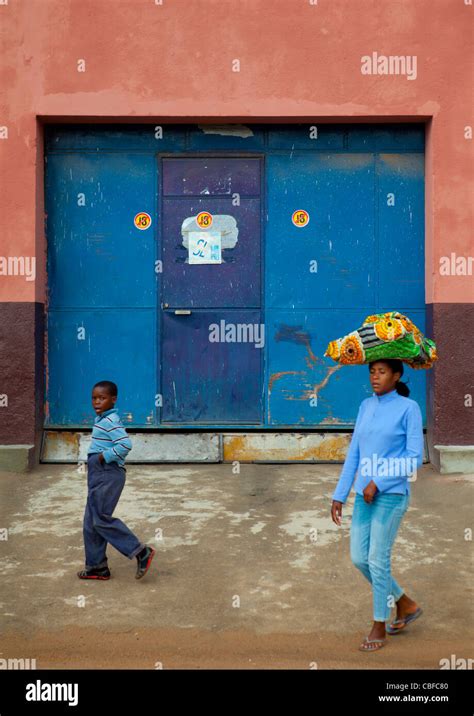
110	437
386	446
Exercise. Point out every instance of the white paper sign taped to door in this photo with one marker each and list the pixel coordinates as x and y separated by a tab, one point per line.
204	247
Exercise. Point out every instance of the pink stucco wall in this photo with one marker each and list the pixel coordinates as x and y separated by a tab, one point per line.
299	60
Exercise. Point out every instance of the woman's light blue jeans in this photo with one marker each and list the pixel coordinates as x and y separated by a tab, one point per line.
373	529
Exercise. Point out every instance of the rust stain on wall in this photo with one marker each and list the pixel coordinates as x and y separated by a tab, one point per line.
294	334
249	448
276	376
408	164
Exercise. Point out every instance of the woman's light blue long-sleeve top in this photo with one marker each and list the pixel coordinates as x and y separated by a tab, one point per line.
386	446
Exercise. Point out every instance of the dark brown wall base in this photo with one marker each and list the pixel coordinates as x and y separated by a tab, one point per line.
22	329
451	380
449	419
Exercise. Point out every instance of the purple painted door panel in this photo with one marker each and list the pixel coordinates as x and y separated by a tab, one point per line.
212	176
204	381
216	381
233	283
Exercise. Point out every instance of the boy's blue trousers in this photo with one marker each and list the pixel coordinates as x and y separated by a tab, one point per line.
105	482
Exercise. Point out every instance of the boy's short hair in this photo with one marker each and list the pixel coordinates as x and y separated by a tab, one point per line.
108	385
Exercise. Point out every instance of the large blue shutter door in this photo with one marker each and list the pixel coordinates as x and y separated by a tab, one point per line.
363	187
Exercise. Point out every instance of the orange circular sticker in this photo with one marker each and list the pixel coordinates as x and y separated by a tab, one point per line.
204	219
142	220
300	218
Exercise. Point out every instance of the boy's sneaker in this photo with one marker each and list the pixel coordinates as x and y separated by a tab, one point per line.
143	561
94	573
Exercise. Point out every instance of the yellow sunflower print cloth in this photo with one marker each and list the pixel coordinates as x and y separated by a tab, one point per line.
384	335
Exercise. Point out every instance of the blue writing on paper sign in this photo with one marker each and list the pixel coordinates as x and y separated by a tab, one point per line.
200	252
205	247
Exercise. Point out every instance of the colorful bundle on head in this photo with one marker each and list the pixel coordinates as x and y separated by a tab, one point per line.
384	335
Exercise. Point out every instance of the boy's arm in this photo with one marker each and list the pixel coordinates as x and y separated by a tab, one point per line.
121	444
351	463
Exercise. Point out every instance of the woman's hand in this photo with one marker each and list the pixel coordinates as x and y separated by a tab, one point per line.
370	490
336	512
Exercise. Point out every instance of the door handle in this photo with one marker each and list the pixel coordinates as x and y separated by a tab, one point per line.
182	312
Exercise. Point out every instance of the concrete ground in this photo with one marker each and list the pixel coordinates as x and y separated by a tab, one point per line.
250	572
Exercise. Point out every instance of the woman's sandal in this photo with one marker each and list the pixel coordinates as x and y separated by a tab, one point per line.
394	629
364	647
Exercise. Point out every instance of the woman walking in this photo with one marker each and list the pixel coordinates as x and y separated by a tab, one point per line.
386	450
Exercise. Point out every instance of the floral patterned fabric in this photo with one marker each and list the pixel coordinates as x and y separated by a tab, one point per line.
384	335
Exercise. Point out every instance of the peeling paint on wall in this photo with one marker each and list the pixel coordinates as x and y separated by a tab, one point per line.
228	130
287	447
225	224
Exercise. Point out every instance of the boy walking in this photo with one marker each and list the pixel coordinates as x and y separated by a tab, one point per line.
109	447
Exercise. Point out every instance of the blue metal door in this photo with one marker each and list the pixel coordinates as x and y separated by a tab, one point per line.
111	311
212	330
102	284
361	252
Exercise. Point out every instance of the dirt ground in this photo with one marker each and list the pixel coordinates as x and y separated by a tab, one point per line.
250	572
